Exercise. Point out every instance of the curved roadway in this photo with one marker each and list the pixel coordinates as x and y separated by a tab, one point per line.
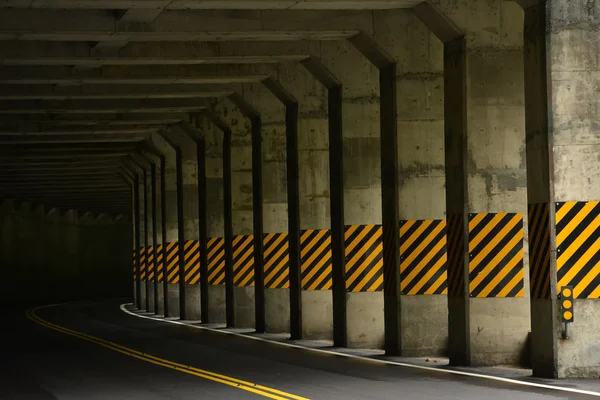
47	356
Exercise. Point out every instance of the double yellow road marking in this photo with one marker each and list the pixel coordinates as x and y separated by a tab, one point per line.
212	376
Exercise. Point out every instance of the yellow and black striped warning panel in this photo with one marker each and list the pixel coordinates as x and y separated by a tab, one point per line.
364	258
315	259
423	257
143	263
159	262
192	262
276	259
243	260
577	244
134	265
215	248
150	263
172	263
496	255
539	250
455	238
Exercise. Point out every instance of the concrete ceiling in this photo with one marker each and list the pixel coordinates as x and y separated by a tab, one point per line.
83	83
159	5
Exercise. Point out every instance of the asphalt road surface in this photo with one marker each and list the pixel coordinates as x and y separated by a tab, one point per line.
96	351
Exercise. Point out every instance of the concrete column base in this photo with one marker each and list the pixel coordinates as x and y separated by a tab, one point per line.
192	302
216	304
365	320
317	314
161	299
424	321
244	307
173	294
150	296
134	293
496	333
277	310
143	295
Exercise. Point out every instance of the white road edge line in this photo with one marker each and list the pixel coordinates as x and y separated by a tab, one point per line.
421	367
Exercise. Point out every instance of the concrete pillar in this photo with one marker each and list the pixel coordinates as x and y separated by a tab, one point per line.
214	221
190	214
362	190
421	186
486	184
243	247
170	265
563	146
143	250
148	238
315	242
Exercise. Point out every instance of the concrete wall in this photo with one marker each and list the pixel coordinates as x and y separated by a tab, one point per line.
47	256
573	66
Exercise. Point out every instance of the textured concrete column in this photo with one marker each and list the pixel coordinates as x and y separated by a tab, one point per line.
241	178
563	147
143	256
486	184
191	277
214	220
172	235
362	182
421	185
315	221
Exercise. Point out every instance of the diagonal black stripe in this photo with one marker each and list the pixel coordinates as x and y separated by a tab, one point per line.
326	267
593	285
502	244
578	255
505	281
575	235
487	219
419	240
576	209
424	253
270	282
356	283
427	286
496	271
215	245
492	234
515	291
361	243
417	278
326	253
362	259
243	250
315	248
241	277
583	272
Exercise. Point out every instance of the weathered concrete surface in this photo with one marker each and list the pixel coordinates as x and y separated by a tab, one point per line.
244	307
150	296
173	293
424	325
192	302
498	336
494	169
277	310
317	318
161	302
365	320
578	356
143	287
216	304
574	70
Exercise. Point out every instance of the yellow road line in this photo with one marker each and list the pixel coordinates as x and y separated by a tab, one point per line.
212	376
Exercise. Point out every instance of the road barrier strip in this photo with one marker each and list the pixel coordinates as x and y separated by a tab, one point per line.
212	376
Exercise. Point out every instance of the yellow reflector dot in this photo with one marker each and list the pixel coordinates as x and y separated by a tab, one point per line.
567	292
568	315
567	304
